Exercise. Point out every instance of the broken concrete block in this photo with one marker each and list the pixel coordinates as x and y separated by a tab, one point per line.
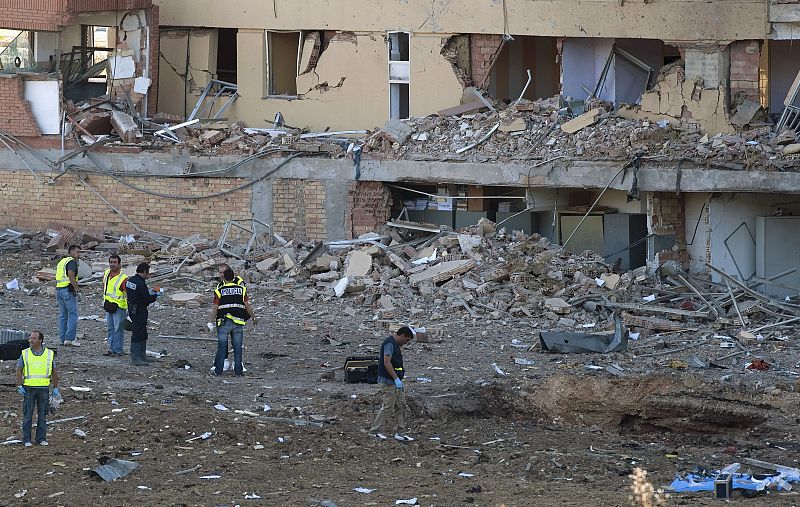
441	272
468	242
397	131
386	302
212	136
745	113
611	280
288	262
582	121
515	126
340	287
328	276
184	298
126	127
358	263
791	149
267	264
557	305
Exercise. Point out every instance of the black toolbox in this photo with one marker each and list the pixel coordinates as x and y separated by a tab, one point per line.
361	370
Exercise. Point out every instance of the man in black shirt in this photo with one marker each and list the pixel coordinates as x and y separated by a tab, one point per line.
390	377
139	298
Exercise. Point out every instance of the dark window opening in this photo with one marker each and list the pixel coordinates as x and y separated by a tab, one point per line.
226	55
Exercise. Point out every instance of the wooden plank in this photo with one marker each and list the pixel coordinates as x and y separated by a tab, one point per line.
463	108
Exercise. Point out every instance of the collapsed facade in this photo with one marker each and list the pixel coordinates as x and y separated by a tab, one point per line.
615	127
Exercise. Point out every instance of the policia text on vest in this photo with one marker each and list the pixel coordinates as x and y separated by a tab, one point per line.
230	310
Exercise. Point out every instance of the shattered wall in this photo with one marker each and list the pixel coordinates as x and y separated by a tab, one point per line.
347	89
44	15
484	49
369	205
679	101
745	57
16	116
667	224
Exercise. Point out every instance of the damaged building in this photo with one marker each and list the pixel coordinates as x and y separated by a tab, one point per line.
617	127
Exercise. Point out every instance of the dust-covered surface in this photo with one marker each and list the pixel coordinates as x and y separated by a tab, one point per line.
551	433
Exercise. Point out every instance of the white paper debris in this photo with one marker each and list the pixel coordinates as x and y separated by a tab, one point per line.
498	370
221	407
364	490
410	501
650	298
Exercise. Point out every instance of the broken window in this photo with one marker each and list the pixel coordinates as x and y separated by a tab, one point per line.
16	54
399	75
226	55
509	71
283	49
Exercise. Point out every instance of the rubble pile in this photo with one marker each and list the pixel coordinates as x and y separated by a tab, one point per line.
403	274
480	131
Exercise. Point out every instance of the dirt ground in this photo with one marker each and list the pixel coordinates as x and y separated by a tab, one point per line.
551	433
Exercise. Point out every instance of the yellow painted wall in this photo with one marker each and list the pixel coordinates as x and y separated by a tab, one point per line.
356	95
669	20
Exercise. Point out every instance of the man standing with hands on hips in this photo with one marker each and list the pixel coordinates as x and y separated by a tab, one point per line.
67	296
35	370
390	377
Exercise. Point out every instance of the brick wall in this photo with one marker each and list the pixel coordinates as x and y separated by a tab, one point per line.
483	49
745	57
46	15
369	206
298	209
668	217
26	204
106	5
16	117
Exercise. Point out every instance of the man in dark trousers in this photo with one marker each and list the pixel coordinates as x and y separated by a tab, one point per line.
230	310
67	296
36	370
139	298
238	279
390	378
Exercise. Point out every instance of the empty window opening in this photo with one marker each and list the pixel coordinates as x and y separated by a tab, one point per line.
783	67
96	39
616	70
227	55
509	73
283	50
399	75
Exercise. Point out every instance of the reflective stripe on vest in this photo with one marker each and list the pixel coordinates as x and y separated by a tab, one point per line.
62	280
231	303
37	369
112	287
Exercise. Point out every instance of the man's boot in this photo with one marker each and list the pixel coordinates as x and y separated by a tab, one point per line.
138	353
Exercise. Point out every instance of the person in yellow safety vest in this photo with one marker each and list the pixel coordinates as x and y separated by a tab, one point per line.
237	279
230	310
115	303
67	296
36	369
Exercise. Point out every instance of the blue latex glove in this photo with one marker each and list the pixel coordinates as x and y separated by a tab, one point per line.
56	392
21	391
398	384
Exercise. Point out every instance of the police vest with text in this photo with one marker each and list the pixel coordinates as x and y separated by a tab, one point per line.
231	303
397	360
